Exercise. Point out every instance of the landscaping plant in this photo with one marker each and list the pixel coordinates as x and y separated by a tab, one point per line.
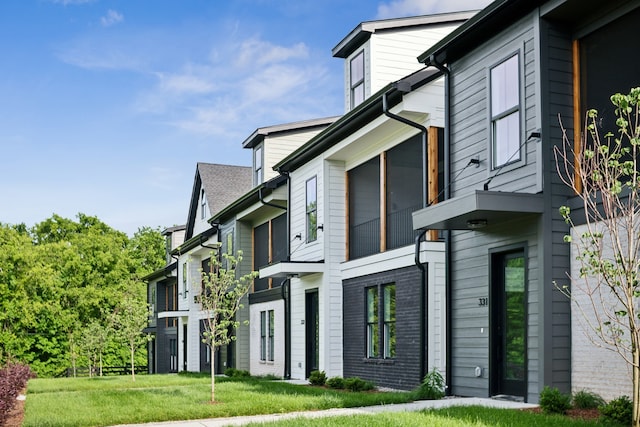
13	379
618	410
432	387
552	401
318	378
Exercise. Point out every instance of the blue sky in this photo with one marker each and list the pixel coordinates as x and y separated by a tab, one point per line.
107	105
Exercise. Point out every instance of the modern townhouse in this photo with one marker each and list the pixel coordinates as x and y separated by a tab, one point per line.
510	72
257	224
179	320
359	304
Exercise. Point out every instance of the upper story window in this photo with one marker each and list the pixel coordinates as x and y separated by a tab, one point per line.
203	205
258	172
312	209
505	112
269	246
356	79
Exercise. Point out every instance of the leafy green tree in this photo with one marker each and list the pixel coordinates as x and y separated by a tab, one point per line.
129	320
93	340
604	173
220	294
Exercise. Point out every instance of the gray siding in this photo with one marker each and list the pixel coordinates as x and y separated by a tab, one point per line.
402	372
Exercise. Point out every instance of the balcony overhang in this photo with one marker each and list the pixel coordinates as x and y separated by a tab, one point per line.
291	269
477	210
174	313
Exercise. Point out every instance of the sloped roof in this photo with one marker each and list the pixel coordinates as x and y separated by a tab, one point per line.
222	184
364	30
259	134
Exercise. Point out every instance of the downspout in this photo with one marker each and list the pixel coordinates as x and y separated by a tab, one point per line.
447	235
285	285
424	304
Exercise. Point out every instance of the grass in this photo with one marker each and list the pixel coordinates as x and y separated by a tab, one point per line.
117	400
460	416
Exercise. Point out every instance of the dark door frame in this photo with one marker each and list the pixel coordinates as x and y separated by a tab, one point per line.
312	339
496	318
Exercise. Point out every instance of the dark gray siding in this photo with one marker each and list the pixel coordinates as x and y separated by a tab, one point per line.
402	372
557	88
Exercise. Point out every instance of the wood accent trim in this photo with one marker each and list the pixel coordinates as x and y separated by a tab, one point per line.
577	115
383	201
346	219
432	173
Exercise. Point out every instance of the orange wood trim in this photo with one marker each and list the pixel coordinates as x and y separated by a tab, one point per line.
432	173
346	220
383	201
577	114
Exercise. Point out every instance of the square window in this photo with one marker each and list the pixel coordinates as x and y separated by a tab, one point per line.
505	112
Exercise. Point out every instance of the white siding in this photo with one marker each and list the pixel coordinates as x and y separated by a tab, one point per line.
280	146
300	249
257	366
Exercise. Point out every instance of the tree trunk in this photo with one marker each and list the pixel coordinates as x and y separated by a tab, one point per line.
100	364
213	374
636	387
133	367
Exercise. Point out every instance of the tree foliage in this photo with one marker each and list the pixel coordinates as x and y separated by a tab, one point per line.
61	276
220	293
604	173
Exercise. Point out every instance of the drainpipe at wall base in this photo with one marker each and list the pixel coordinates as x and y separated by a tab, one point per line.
285	288
424	306
447	239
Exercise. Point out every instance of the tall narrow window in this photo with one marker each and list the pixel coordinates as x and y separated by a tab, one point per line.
257	161
270	342
203	205
185	290
356	78
373	335
312	210
389	320
364	209
263	335
381	321
505	112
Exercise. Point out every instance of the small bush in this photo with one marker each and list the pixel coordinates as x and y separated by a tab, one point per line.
619	410
358	384
585	399
336	383
432	387
318	378
552	401
13	379
236	373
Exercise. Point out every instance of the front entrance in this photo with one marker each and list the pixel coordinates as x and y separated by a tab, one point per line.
508	340
312	332
185	351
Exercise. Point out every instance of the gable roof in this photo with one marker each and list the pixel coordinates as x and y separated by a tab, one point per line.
261	133
221	183
364	30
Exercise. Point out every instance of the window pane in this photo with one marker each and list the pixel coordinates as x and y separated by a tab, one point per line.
357	69
263	333
504	86
271	334
506	139
515	325
372	323
357	95
389	301
312	210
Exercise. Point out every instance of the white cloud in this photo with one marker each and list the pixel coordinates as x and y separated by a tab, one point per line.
67	2
400	8
112	17
258	52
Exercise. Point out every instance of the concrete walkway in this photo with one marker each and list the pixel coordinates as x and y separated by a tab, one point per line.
402	407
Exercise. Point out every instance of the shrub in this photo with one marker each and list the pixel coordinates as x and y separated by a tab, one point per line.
619	410
358	384
318	378
13	379
236	373
552	401
432	387
585	399
336	383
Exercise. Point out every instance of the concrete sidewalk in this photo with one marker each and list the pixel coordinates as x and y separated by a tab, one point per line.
402	407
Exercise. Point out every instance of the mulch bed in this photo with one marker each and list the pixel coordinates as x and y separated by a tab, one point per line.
578	414
16	415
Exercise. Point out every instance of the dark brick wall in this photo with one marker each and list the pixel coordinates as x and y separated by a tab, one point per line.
402	372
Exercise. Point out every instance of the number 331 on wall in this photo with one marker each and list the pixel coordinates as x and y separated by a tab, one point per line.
483	302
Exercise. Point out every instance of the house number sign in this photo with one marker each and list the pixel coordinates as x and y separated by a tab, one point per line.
483	302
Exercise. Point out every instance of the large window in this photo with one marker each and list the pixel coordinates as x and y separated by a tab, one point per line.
267	332
269	246
260	254
312	209
381	321
356	79
364	209
505	112
203	205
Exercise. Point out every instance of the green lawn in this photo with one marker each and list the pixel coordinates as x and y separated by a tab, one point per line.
468	416
117	400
